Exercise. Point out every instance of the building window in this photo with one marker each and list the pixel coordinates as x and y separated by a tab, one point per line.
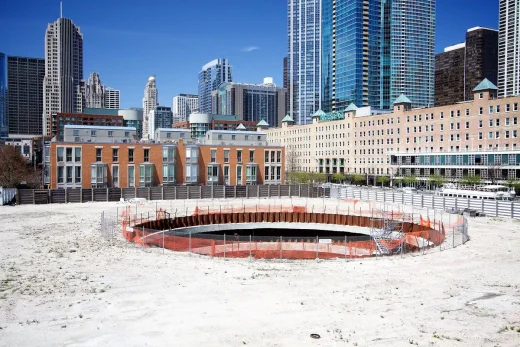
480	124
515	134
507	121
77	154
168	154
226	156
507	134
168	173
239	175
131	176
213	155
59	154
442	115
115	155
69	174
278	173
481	110
220	137
278	156
147	155
266	173
491	108
110	133
251	174
145	175
77	174
130	155
192	175
68	152
115	176
98	175
75	132
98	154
498	108
233	137
168	135
481	95
467	125
480	136
515	106
92	133
251	156
247	137
60	174
239	156
212	177
259	138
467	112
226	175
127	134
490	135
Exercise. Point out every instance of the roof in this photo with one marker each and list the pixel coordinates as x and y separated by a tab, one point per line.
179	130
287	119
224	117
98	127
241	127
485	85
318	113
351	107
236	132
402	99
263	123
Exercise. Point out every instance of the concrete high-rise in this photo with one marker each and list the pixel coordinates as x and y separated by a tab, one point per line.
112	98
63	70
94	92
25	95
211	76
304	58
461	67
374	51
150	101
508	48
3	87
251	102
183	106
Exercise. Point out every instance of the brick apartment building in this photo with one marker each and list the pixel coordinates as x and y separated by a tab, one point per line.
215	161
59	120
361	141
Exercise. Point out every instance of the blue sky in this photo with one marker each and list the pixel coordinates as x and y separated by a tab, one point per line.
127	41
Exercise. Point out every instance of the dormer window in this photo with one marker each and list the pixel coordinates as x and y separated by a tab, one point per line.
481	95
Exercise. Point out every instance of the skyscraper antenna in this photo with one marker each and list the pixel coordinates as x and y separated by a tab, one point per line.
61	9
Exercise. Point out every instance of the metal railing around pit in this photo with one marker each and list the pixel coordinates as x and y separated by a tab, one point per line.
436	229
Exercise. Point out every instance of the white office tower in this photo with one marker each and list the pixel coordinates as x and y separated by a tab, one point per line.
112	98
94	92
183	106
149	103
63	70
509	48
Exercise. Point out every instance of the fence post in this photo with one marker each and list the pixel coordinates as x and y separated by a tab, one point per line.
189	244
107	194
512	209
281	245
345	248
444	203
250	247
317	256
162	193
34	197
496	208
482	209
163	241
65	195
149	193
92	194
224	246
299	190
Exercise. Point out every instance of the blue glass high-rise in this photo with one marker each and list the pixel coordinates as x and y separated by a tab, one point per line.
375	50
304	58
3	88
211	76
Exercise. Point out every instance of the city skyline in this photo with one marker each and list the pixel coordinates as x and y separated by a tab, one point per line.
254	53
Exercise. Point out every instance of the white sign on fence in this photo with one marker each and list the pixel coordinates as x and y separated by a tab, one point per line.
327	241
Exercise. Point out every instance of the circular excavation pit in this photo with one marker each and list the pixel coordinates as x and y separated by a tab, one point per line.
287	235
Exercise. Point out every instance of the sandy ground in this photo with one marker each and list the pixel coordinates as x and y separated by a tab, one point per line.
63	284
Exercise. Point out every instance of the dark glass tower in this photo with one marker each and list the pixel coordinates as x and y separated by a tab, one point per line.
3	116
375	50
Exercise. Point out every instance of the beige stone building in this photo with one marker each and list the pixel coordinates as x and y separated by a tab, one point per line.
362	140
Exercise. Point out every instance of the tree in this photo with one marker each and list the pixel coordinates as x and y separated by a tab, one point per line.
410	180
470	180
398	182
437	180
318	177
495	172
383	180
14	170
358	178
338	178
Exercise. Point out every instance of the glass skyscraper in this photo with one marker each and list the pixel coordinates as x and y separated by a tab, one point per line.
212	75
304	58
3	81
375	50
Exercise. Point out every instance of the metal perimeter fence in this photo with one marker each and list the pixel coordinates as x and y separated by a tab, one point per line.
80	195
408	229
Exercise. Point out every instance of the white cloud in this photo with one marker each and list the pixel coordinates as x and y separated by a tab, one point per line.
249	48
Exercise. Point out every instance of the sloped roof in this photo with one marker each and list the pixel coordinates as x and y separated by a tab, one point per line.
351	107
241	127
318	113
485	85
402	99
262	123
287	119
